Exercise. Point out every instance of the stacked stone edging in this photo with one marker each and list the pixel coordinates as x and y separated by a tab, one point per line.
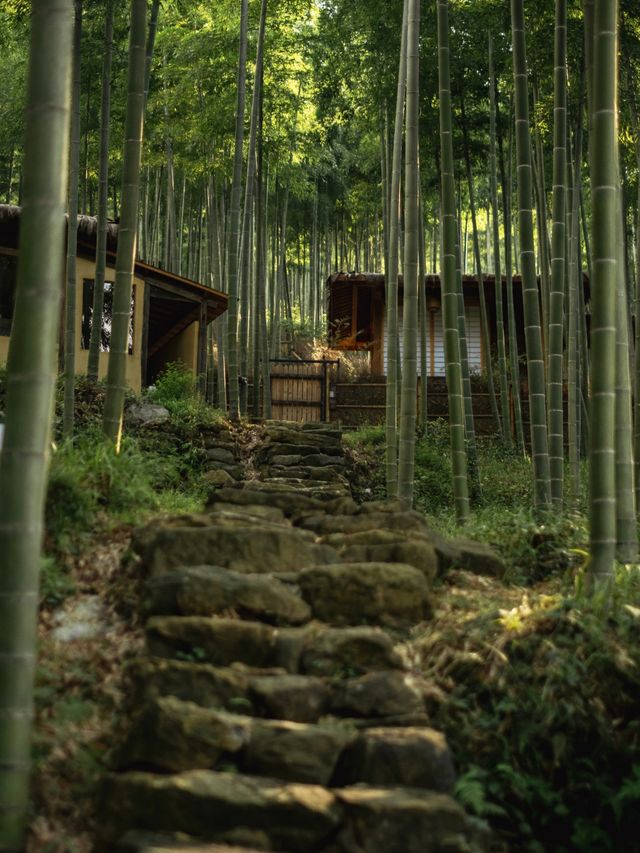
276	708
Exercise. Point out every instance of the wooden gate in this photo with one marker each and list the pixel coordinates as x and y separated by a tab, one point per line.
301	389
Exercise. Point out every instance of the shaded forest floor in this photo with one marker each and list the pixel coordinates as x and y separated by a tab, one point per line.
537	692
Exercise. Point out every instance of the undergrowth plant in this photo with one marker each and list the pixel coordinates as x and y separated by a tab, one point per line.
176	388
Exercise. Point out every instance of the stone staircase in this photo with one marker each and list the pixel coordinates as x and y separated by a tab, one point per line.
279	707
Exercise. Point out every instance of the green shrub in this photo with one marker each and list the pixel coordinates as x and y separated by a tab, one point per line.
176	388
366	436
176	382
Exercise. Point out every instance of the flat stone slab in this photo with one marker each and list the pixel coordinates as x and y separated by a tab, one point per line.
207	804
285	448
378	694
217	641
300	698
174	735
370	521
289	502
397	820
211	590
335	652
415	548
372	593
250	512
406	757
150	678
248	549
295	752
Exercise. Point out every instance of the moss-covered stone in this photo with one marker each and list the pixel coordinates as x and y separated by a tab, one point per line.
374	593
243	549
207	805
210	590
174	735
295	752
217	641
397	820
377	694
300	698
149	678
406	757
347	652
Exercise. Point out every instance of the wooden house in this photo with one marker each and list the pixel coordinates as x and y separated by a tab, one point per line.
169	313
356	317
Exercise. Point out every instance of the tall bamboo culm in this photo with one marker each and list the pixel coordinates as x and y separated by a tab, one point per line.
392	272
128	227
31	377
233	247
497	265
103	200
412	248
533	332
72	231
448	277
558	258
604	226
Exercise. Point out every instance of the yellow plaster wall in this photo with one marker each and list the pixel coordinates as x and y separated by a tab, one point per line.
86	269
184	348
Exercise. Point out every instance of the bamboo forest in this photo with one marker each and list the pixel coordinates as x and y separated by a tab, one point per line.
320	426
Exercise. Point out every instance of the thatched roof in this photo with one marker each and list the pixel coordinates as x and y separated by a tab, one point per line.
87	233
87	227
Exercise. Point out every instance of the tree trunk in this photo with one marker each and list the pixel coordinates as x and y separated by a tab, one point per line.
497	265
103	200
248	208
406	456
234	230
558	259
484	320
31	381
535	360
72	232
604	179
448	277
392	272
151	41
127	231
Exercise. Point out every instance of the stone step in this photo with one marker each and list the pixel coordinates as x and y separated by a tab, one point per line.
407	521
392	594
255	493
319	460
371	700
211	590
414	548
312	650
246	549
210	806
171	735
294	817
283	448
308	472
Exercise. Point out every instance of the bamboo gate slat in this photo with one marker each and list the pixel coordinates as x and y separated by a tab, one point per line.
301	390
